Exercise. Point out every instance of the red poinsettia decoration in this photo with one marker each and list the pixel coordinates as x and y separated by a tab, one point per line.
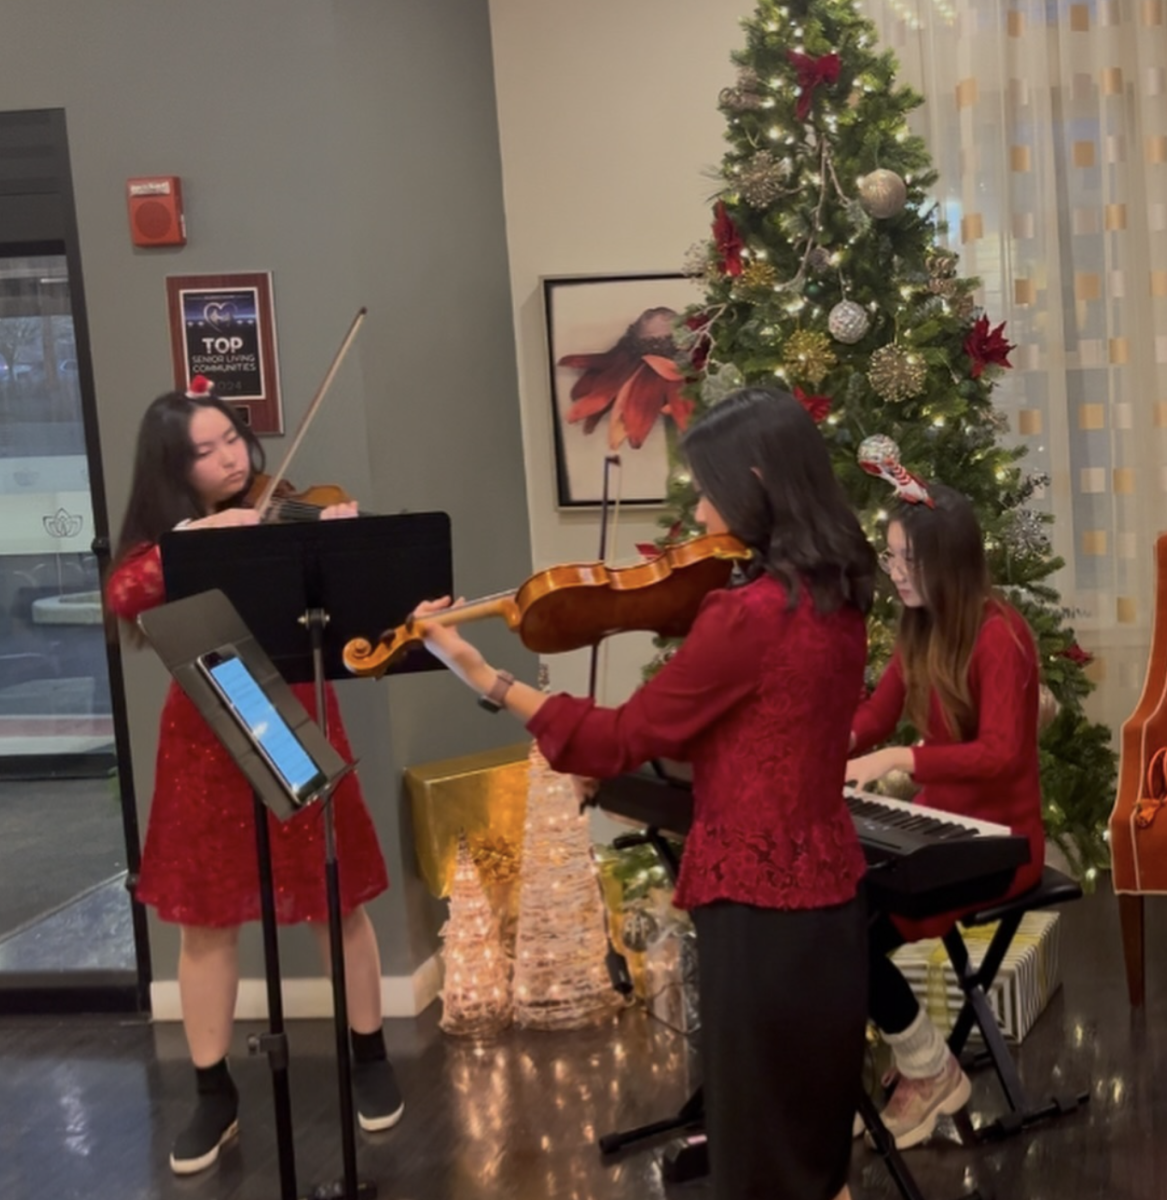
1077	655
635	382
817	406
811	73
987	347
728	240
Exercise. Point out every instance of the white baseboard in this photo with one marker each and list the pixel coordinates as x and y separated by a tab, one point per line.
401	996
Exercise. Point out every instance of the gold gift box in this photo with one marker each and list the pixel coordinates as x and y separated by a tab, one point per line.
483	795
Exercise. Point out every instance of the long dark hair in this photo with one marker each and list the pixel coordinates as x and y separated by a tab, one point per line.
937	639
161	494
763	464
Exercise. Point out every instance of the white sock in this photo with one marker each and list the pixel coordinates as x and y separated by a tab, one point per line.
920	1051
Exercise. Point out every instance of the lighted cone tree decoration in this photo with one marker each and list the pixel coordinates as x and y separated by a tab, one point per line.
476	999
561	971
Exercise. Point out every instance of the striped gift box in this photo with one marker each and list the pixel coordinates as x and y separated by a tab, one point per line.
1028	976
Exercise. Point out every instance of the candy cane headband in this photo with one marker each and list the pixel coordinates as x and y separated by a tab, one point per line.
880	456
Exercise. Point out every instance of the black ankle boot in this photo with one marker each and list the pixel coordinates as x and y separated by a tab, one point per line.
378	1098
212	1124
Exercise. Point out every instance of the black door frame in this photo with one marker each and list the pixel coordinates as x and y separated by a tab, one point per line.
37	211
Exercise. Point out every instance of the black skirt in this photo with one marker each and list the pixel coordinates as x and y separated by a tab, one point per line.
783	996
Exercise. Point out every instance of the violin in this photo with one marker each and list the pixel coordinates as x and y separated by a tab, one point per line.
286	504
578	604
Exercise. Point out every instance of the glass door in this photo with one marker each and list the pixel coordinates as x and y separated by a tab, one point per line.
65	914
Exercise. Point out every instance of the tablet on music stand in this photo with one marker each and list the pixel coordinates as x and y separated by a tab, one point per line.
220	665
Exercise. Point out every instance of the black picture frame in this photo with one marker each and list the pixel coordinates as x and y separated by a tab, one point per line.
609	318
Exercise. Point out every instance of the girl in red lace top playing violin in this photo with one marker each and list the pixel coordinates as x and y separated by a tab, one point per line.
965	674
759	699
195	461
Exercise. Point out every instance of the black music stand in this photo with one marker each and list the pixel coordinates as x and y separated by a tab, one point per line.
290	582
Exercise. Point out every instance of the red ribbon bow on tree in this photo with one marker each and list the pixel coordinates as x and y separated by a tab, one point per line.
819	407
729	241
812	72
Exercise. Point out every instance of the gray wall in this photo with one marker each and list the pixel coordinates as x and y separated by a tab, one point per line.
351	149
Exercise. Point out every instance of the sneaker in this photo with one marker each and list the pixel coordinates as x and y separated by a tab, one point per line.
212	1125
911	1113
887	1081
379	1102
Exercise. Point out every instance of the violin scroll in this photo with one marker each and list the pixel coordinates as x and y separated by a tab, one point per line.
363	659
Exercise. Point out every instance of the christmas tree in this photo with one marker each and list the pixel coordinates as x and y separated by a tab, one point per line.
561	948
828	275
476	998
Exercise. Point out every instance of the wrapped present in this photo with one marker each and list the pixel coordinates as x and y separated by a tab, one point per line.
1027	978
483	795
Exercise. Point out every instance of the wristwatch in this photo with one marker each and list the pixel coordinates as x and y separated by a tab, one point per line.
494	700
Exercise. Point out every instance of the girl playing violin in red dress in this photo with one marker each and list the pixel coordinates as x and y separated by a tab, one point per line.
195	462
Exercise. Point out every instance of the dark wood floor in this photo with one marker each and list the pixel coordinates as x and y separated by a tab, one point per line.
88	1105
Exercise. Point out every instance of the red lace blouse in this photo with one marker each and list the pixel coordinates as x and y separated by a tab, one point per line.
199	863
994	776
759	699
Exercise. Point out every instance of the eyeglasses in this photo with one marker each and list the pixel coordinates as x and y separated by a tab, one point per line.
890	562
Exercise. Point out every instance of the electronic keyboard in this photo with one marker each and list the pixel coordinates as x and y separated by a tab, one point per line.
920	861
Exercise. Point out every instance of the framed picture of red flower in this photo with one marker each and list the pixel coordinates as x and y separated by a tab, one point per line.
617	381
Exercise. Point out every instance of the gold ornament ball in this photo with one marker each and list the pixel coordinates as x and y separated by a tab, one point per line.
896	374
808	355
757	276
883	193
1047	708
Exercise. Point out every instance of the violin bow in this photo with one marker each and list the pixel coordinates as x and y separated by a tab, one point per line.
610	461
265	498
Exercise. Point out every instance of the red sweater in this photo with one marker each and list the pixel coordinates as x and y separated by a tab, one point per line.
994	776
759	699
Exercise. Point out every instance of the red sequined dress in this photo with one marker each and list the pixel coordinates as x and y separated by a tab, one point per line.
759	699
199	864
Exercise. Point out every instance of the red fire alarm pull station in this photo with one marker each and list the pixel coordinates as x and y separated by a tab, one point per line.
156	211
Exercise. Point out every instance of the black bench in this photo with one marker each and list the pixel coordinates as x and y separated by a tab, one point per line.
975	982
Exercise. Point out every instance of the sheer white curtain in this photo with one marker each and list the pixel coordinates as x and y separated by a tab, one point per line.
1048	125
